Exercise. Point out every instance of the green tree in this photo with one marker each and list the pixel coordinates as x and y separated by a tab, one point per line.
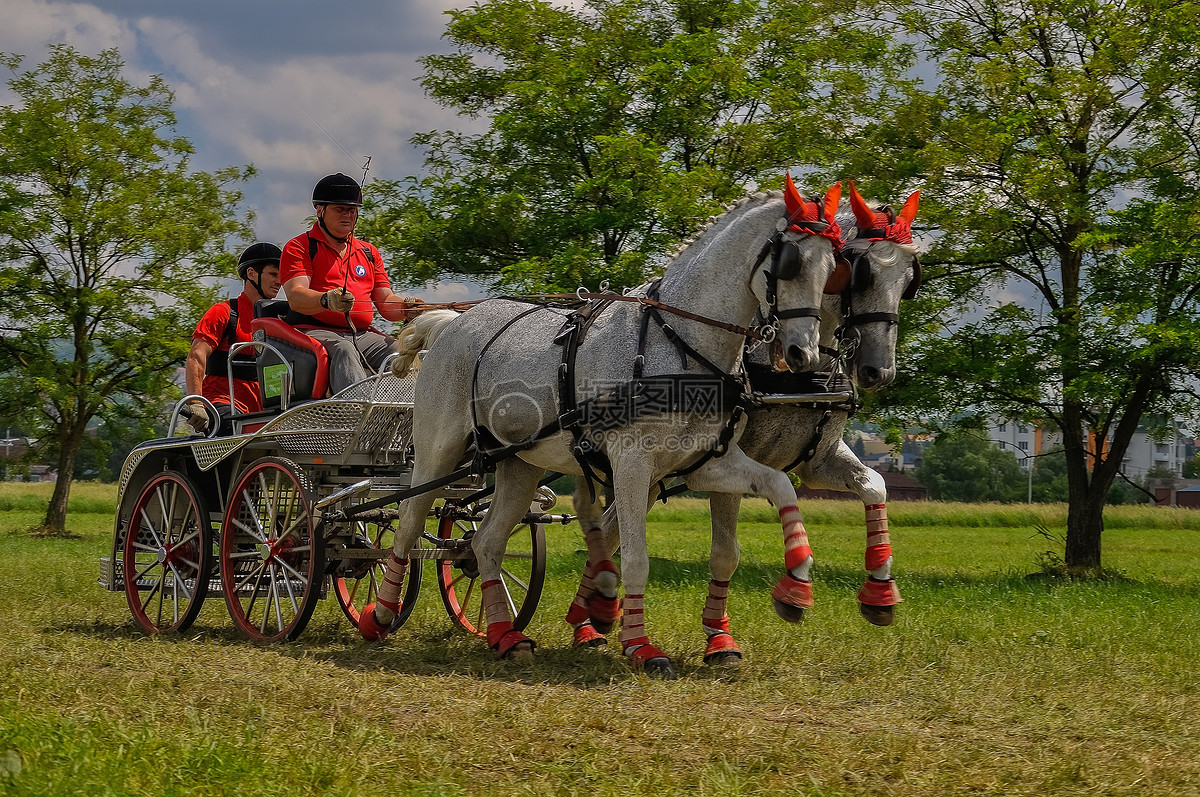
964	467
612	130
104	235
1057	149
1050	477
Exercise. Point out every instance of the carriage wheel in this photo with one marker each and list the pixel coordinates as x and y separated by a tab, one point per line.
356	582
270	556
167	554
522	572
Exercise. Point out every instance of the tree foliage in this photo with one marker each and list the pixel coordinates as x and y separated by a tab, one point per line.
1057	149
612	130
965	467
105	233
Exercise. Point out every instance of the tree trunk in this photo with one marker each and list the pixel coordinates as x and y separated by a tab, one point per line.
1085	525
55	522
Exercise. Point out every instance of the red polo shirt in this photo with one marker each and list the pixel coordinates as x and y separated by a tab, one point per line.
361	271
247	396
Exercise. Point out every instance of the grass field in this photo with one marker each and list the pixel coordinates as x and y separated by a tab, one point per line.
991	682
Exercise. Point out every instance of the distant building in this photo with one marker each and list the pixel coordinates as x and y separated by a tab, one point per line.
1183	493
1144	452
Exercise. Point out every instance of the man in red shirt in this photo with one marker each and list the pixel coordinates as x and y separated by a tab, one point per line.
331	280
223	325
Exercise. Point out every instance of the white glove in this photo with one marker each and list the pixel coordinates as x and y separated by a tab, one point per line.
339	300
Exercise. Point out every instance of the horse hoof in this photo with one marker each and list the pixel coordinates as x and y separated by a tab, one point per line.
723	658
522	651
877	615
659	667
792	614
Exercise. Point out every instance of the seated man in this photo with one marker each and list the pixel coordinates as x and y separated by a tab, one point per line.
223	325
331	279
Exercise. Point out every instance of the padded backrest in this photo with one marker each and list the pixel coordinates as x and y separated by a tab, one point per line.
270	308
309	361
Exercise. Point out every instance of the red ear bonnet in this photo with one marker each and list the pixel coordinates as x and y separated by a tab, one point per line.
882	224
805	215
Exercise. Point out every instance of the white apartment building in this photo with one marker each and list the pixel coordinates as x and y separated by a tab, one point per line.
1144	451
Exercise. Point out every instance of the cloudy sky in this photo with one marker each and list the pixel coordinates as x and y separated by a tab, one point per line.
297	88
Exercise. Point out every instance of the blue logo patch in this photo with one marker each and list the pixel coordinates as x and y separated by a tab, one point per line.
360	270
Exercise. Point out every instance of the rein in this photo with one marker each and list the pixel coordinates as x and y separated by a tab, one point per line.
753	333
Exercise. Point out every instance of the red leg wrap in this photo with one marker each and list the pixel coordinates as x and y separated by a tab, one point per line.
577	614
392	585
879	593
578	611
794	593
796	549
712	627
879	546
633	623
603	611
371	629
713	616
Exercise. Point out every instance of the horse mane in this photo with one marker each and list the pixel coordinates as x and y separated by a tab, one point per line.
710	225
419	334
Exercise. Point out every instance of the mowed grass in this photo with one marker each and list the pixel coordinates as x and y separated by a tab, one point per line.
990	682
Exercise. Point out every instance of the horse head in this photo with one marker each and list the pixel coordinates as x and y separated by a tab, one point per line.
883	267
801	268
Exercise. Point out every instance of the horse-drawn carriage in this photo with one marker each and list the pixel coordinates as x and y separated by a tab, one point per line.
305	490
255	516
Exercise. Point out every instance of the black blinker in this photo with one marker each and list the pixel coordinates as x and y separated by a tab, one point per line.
911	291
860	273
787	260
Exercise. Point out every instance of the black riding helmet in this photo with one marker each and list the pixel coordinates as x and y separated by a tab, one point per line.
337	189
258	256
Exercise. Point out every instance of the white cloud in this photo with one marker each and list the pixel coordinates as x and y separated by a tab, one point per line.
256	85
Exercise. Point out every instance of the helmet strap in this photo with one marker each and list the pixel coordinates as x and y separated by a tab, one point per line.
257	283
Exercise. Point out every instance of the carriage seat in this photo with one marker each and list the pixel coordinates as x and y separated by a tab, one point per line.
308	359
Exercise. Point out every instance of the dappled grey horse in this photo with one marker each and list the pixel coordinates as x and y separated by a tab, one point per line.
860	323
494	377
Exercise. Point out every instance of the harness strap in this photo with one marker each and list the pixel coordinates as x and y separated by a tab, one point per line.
218	359
591	461
859	319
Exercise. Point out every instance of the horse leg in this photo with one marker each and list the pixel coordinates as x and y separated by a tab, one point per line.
631	477
376	619
736	473
722	650
516	484
842	470
595	607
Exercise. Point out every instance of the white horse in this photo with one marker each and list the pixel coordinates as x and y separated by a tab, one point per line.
806	439
495	376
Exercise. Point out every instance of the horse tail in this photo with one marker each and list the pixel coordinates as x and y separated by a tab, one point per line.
419	335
